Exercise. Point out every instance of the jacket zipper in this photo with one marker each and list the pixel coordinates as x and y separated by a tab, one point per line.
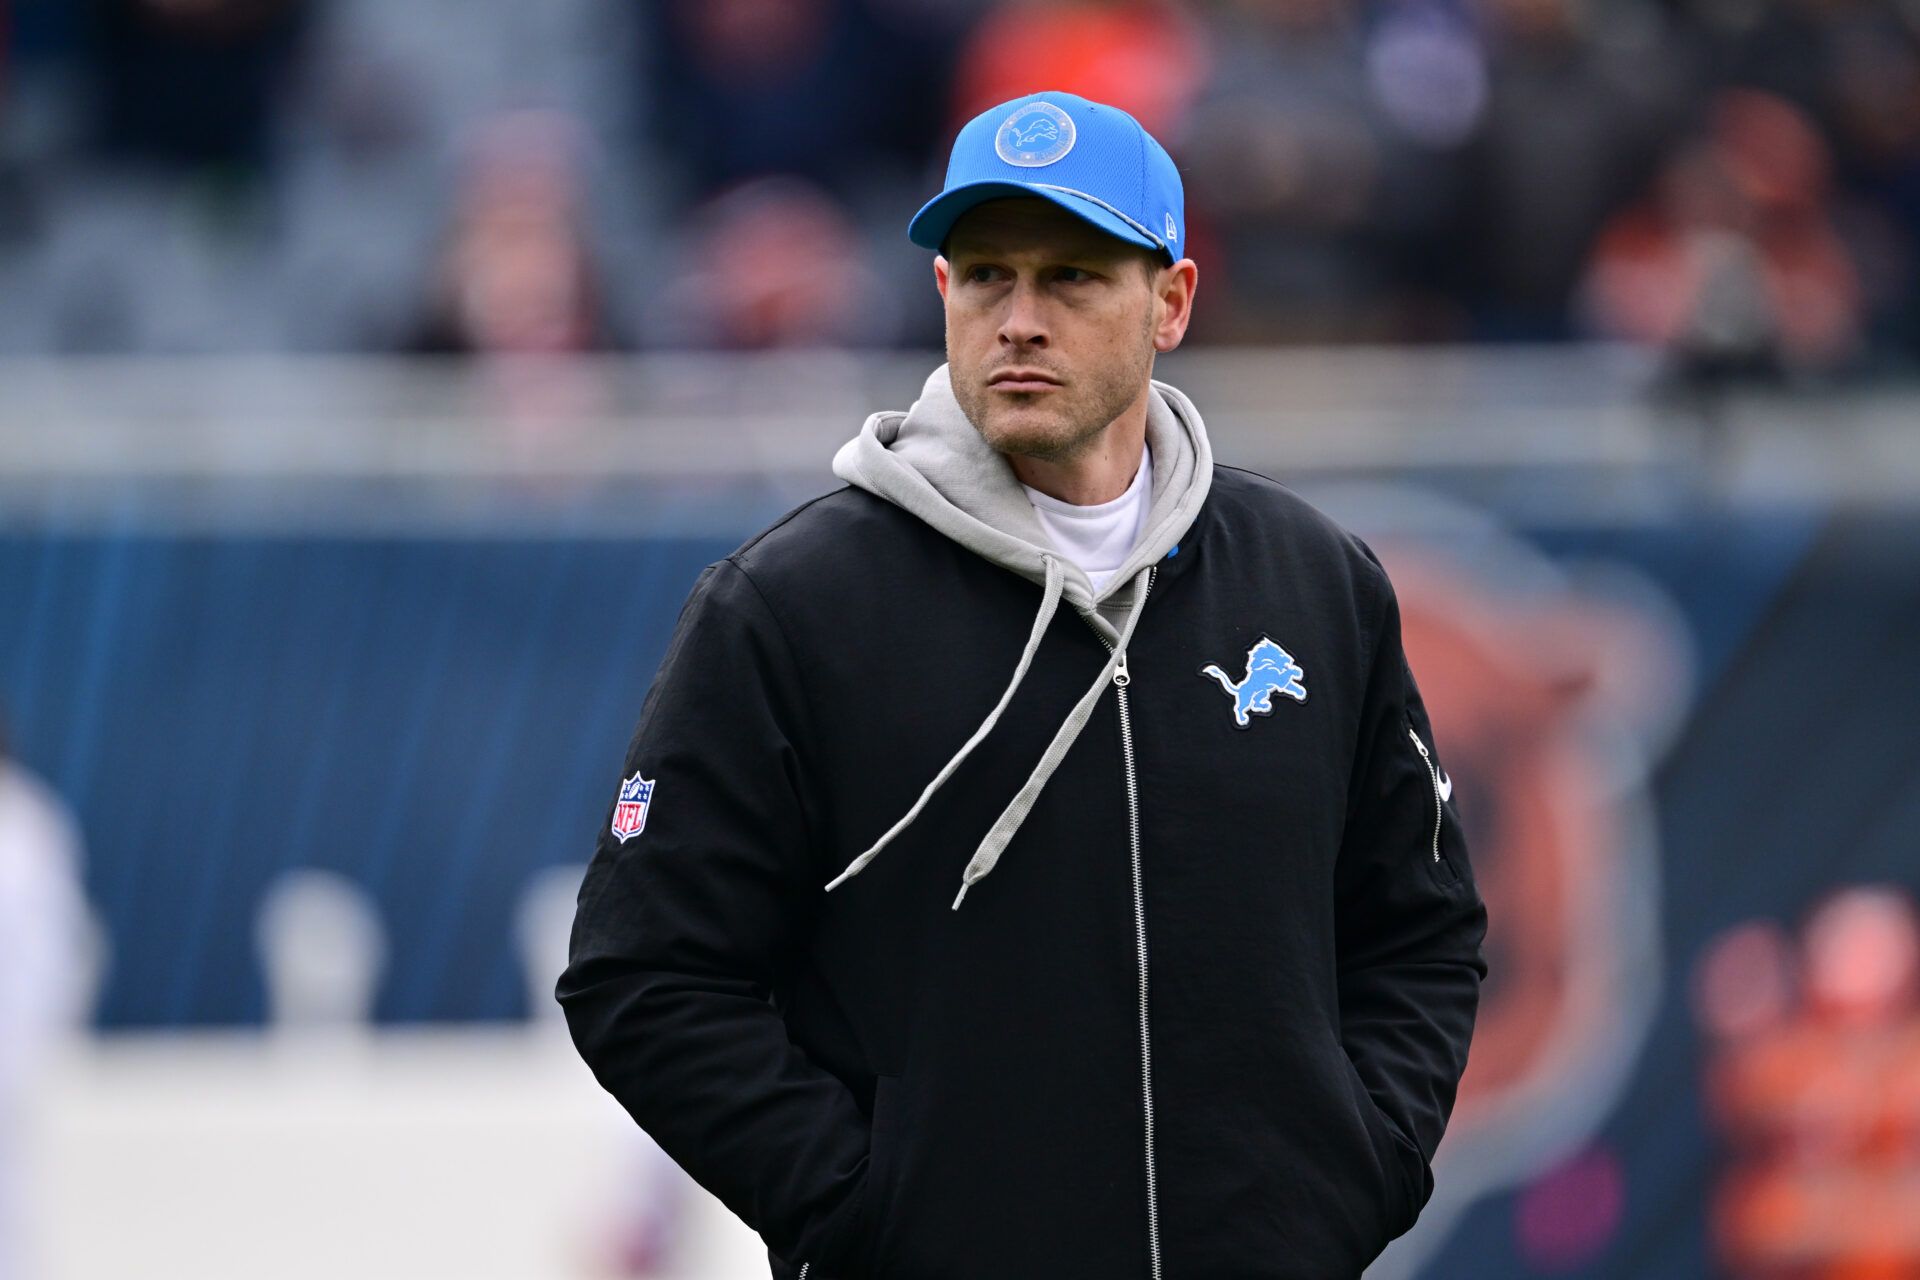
1121	679
804	1268
1434	777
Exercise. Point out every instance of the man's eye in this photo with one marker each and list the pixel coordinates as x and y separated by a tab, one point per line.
1074	275
979	275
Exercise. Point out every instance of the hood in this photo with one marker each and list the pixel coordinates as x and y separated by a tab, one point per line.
932	462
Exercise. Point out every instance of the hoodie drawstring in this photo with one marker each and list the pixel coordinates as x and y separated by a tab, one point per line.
1008	823
1049	602
1017	809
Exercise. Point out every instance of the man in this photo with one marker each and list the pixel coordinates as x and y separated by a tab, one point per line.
1202	998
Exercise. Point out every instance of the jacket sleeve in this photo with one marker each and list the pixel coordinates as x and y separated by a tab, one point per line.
1409	926
682	931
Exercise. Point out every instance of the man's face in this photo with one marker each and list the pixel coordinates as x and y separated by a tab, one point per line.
1030	287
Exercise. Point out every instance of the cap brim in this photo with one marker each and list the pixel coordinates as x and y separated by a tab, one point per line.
930	226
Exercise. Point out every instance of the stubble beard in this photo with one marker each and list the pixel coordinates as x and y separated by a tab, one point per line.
1105	394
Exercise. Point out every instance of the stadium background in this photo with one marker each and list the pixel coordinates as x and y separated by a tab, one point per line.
376	377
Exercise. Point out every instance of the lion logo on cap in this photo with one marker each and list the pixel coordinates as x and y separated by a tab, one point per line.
1036	134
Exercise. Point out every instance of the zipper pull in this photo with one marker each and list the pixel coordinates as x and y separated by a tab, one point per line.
1433	775
1120	674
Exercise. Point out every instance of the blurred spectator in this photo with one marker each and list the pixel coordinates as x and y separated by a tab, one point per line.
844	93
1785	47
516	276
1428	77
1282	157
44	968
193	83
39	51
1147	57
774	262
1875	112
1732	263
1580	96
1356	170
1814	1079
1427	70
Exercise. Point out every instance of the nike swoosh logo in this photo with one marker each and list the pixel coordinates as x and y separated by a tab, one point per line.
1446	785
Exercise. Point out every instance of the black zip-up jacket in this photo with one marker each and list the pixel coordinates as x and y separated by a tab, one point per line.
1205	1019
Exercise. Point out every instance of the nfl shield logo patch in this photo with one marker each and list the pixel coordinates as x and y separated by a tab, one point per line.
630	811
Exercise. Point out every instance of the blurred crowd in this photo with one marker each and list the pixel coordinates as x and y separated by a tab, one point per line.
1735	182
1813	1081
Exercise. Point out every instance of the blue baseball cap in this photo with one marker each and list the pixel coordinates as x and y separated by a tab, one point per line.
1089	158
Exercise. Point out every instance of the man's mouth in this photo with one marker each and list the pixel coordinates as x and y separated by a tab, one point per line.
1023	380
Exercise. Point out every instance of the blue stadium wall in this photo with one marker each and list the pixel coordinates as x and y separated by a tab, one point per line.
440	718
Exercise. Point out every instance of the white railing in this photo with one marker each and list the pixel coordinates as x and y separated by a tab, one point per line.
777	418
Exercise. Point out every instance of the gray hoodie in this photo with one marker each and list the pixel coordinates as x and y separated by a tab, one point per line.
932	462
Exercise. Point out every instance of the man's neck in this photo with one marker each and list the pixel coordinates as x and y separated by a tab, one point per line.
1099	473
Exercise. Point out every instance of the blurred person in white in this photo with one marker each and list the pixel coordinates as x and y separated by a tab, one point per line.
44	974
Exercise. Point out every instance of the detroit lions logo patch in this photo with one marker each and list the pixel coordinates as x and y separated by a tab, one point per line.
1036	134
1270	670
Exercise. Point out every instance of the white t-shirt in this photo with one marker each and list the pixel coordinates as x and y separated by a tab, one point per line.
1098	538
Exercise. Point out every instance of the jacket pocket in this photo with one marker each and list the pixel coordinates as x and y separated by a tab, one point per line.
871	1220
880	1151
1390	1152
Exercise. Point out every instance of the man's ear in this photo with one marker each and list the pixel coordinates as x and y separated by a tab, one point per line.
940	269
1174	286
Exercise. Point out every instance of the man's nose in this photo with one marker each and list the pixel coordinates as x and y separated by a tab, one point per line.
1025	321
